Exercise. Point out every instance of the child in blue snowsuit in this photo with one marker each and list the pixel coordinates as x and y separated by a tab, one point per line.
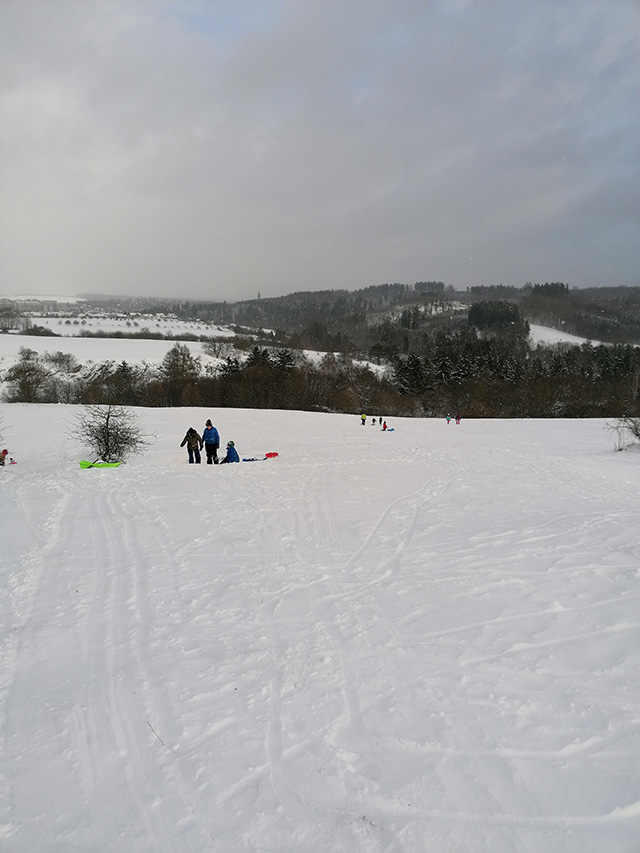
232	454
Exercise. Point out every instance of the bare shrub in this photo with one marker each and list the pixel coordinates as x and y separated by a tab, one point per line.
112	433
627	431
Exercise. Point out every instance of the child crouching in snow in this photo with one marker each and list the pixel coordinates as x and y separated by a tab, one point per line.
232	454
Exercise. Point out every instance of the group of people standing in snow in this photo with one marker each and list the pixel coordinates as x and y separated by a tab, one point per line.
210	441
383	424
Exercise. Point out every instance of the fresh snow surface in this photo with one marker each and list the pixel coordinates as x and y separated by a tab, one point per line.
545	335
133	350
419	640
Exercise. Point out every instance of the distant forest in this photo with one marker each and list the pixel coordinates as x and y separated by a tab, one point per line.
436	351
356	318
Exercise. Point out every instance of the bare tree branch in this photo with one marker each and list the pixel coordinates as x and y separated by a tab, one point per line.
112	433
625	428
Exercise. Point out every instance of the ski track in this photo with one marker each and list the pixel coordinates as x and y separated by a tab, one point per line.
311	679
336	611
101	624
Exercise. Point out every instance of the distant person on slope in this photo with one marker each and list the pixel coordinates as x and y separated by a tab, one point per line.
211	441
448	418
194	445
363	418
232	454
458	417
3	456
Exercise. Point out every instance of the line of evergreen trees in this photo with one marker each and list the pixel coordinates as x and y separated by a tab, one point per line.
480	375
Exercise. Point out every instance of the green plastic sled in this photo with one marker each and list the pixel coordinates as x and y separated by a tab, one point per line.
85	464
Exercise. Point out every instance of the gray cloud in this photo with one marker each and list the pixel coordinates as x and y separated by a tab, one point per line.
218	149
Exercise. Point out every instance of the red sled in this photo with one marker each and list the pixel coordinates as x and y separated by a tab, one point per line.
259	458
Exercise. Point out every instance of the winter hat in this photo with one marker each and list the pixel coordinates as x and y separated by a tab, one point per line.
4	452
230	444
208	423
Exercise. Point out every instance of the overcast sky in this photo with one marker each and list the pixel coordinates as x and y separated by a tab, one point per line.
213	149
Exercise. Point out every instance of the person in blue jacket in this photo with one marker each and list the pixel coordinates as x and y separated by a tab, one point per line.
232	454
211	441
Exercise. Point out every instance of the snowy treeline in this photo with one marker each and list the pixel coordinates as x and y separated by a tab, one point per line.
481	376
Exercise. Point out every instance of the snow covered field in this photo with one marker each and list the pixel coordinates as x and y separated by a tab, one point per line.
84	350
424	640
128	324
545	335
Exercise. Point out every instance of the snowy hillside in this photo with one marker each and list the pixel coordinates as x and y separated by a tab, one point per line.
129	324
132	350
421	640
544	335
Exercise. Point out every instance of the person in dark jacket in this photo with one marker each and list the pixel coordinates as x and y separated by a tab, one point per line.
232	454
194	445
211	440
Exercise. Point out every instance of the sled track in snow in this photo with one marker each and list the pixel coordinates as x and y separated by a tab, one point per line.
342	595
144	545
